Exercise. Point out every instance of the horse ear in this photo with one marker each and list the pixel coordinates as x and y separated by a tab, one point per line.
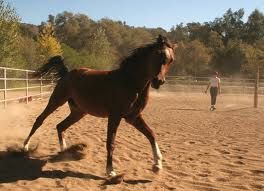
174	46
161	39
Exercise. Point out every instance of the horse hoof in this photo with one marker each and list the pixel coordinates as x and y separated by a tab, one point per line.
111	174
117	179
156	168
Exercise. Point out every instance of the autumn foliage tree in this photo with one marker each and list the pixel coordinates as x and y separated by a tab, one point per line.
48	44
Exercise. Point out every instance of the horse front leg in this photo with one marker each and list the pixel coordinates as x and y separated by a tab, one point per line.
113	123
141	125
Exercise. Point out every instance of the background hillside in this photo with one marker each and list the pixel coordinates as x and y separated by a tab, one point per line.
231	44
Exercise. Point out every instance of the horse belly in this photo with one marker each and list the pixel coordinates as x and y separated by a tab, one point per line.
96	93
92	100
93	106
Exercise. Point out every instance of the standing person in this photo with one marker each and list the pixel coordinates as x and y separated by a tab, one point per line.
214	84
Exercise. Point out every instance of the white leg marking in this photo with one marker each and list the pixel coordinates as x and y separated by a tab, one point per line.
157	156
110	172
26	144
63	145
26	147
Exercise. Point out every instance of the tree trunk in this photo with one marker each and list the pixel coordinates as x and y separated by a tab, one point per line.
256	88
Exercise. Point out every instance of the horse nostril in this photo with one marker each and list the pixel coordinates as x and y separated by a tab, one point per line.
161	82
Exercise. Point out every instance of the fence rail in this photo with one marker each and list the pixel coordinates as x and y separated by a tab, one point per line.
14	82
198	84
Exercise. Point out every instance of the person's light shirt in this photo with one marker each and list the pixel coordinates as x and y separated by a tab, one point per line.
214	81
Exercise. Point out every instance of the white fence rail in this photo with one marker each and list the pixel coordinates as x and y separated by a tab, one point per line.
16	85
198	84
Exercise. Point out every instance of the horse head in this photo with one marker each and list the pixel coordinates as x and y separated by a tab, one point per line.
163	57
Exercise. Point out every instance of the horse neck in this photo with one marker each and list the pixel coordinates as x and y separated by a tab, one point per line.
135	78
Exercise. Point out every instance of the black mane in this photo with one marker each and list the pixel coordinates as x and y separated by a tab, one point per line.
137	54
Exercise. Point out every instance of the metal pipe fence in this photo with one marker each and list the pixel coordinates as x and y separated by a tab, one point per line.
17	85
198	84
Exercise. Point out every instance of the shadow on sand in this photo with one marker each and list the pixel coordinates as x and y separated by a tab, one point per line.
18	165
73	153
15	164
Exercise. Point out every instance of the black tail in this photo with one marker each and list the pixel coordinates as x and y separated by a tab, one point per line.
54	67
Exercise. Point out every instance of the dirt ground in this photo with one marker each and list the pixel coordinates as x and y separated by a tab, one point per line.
202	150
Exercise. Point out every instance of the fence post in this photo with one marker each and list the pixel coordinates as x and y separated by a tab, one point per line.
41	87
256	86
5	87
189	84
244	86
27	86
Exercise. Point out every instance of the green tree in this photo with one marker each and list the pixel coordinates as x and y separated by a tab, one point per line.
72	58
178	67
214	41
29	30
255	27
114	32
202	46
28	53
254	58
198	31
97	48
98	43
228	59
254	55
198	57
179	33
9	29
73	29
191	58
230	26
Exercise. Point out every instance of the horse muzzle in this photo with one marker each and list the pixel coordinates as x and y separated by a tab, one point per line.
156	83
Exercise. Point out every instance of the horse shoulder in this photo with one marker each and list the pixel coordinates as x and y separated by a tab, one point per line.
138	105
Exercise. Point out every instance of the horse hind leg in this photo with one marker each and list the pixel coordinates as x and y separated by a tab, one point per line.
48	110
73	117
56	100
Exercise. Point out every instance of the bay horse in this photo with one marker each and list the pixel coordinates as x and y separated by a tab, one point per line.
116	94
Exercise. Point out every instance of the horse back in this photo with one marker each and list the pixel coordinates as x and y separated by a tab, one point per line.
99	92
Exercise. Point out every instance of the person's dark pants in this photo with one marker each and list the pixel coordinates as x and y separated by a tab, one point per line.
213	92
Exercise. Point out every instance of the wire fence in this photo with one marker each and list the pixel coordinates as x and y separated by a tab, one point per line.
198	84
237	92
18	85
